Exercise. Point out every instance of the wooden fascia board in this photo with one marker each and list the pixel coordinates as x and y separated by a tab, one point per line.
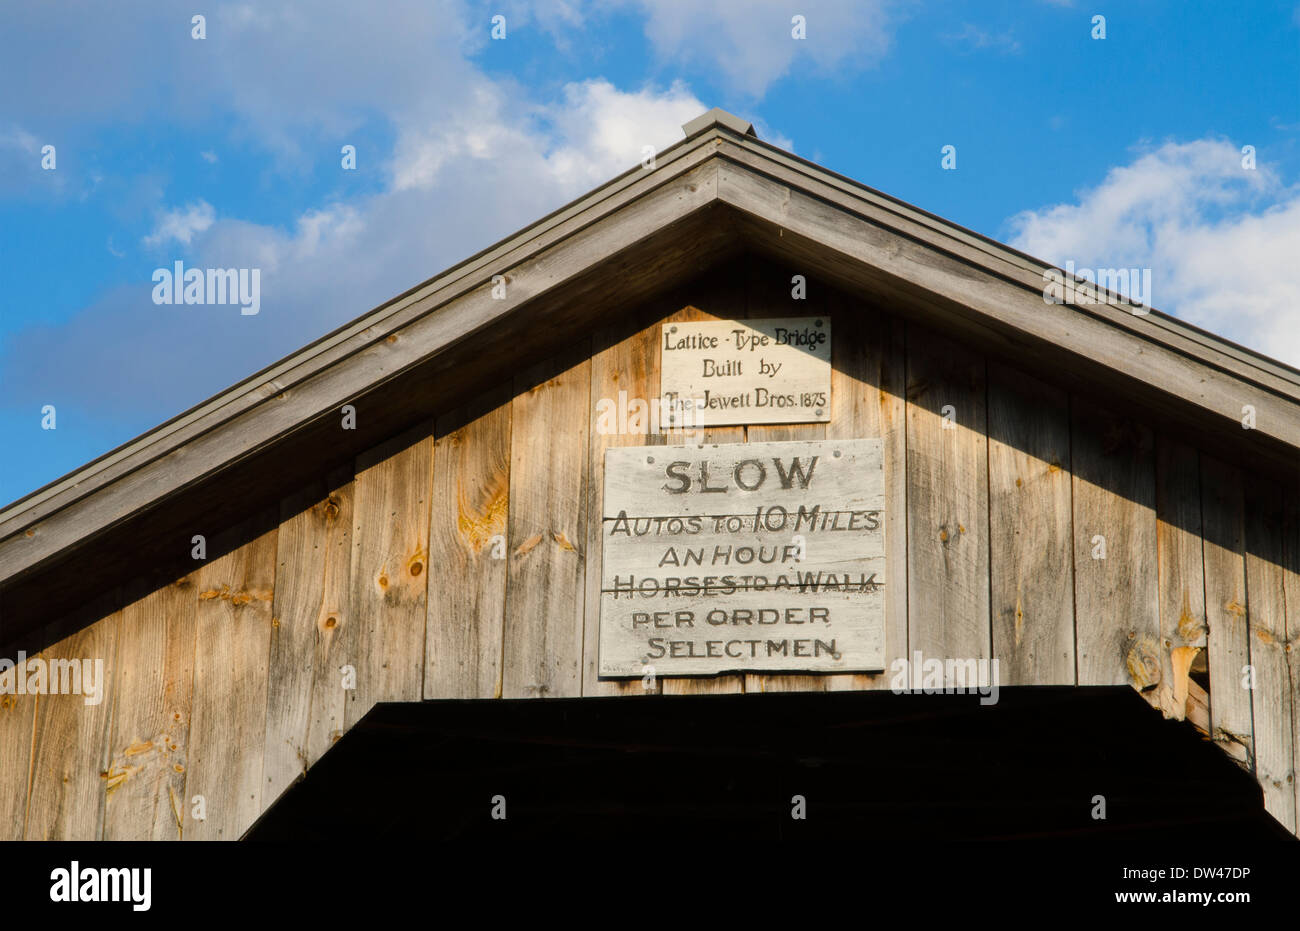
1004	261
997	286
404	333
1008	304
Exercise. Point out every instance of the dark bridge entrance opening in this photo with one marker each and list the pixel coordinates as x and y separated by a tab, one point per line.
1036	764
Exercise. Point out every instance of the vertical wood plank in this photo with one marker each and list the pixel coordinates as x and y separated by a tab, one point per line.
869	399
469	550
719	297
17	727
769	293
1030	530
148	767
338	628
231	668
624	375
70	753
544	590
1291	580
313	551
1180	565
1266	620
1228	642
947	496
390	556
1117	598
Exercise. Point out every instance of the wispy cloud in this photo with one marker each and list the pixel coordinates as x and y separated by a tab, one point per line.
1221	240
15	137
491	162
181	224
750	42
21	171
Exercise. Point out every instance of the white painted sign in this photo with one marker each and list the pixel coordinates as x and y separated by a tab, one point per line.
748	371
744	557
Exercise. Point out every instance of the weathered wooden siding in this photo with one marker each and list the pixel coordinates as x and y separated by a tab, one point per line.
462	560
1031	565
232	654
468	551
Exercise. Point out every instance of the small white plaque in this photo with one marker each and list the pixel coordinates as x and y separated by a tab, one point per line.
776	370
744	557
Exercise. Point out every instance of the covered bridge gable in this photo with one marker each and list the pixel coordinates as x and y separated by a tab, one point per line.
449	546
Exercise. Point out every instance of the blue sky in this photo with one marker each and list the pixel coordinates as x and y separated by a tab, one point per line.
225	152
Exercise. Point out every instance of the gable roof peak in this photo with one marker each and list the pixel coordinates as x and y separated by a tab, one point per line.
718	117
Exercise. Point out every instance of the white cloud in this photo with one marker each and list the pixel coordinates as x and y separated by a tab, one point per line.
495	162
474	157
181	224
209	157
750	41
562	20
1222	241
593	134
21	166
603	131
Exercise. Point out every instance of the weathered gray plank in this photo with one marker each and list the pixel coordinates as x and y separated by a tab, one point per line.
869	398
337	628
148	768
70	752
310	604
1117	597
624	371
1030	529
544	591
1266	616
1181	567
1291	579
947	495
17	724
1228	639
390	556
470	550
231	667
